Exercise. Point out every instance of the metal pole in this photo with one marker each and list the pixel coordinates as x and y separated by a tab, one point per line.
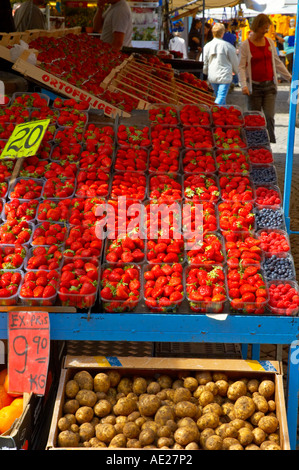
291	131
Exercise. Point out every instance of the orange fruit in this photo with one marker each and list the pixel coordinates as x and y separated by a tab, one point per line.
18	403
5	399
12	394
8	415
3	374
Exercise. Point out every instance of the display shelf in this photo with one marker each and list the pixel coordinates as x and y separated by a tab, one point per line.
186	328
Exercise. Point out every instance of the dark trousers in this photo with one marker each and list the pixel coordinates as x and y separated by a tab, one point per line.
263	98
290	62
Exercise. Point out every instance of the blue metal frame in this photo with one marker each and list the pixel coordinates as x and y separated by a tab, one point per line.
186	328
291	133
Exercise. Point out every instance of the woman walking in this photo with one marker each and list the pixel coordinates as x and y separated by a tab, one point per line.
258	68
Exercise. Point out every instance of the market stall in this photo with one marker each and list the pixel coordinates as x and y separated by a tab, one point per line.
169	152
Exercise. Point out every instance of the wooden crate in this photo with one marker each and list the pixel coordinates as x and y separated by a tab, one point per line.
62	87
153	84
235	369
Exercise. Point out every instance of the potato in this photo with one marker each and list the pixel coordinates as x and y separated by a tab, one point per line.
164	381
219	376
259	436
266	389
179	383
105	432
74	428
186	434
181	394
84	380
102	408
86	398
203	377
153	388
185	408
199	390
114	377
222	387
238	423
192	446
94	442
165	442
150	424
124	406
148	405
244	407
229	410
101	382
84	414
66	421
139	385
271	405
119	441
207	432
133	444
214	443
269	445
208	420
236	447
147	437
190	383
269	424
71	406
125	386
68	439
164	431
164	414
71	388
236	390
171	424
131	430
253	385
212	408
86	432
274	437
226	430
252	447
228	442
110	419
260	402
212	387
245	437
205	398
254	419
140	421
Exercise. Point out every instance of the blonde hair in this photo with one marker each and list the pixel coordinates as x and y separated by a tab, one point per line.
218	30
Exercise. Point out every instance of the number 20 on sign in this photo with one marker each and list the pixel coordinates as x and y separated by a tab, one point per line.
25	139
28	353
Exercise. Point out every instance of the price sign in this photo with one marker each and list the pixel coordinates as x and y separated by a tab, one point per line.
28	355
25	139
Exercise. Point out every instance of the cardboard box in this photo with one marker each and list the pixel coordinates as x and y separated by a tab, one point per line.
149	366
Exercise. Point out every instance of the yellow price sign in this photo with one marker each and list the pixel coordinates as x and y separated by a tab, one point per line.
25	139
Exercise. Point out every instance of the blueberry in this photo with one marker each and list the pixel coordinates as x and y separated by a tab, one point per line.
263	175
269	218
256	137
278	268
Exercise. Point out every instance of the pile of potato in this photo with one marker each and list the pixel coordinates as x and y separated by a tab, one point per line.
203	410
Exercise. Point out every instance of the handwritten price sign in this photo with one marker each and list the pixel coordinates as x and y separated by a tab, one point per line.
29	347
25	139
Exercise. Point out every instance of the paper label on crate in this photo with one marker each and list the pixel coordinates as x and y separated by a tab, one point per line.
217	316
261	365
28	351
25	139
107	361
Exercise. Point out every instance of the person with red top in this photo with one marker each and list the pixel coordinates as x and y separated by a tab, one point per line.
258	68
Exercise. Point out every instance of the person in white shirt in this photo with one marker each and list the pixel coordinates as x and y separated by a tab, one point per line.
115	23
220	62
178	44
